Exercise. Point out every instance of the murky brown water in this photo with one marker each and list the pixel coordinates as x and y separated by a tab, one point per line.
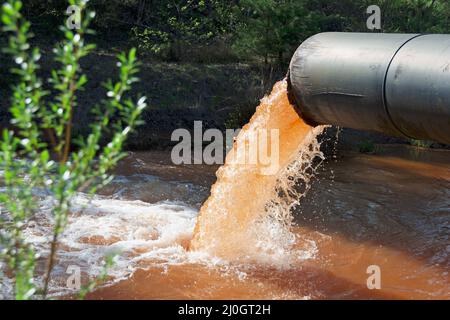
391	210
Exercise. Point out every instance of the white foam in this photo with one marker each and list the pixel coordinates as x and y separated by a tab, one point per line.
143	235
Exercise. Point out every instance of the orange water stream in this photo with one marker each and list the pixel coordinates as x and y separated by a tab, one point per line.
231	221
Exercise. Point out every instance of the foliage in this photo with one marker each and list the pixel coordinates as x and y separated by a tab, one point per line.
421	143
366	146
272	28
416	16
38	155
169	28
265	29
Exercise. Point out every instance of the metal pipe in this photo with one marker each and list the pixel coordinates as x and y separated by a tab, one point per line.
398	84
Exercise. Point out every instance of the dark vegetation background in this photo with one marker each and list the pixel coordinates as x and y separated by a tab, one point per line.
209	60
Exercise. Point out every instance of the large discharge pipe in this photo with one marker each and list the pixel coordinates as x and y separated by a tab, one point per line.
398	84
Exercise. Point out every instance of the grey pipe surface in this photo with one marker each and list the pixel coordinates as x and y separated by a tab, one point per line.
398	84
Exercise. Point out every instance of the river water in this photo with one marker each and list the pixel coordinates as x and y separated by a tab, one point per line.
390	210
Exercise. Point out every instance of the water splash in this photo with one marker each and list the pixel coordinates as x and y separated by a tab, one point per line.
248	215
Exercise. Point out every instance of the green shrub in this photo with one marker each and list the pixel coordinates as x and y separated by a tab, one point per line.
39	153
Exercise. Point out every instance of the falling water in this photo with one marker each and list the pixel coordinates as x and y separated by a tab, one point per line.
248	214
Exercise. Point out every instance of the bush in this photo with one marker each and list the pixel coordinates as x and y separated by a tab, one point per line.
39	152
